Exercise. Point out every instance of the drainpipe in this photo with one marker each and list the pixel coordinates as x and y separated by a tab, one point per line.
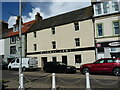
93	20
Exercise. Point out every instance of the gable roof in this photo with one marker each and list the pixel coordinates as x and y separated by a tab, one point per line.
66	18
25	27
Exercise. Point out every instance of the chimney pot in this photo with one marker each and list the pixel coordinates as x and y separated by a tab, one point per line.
38	17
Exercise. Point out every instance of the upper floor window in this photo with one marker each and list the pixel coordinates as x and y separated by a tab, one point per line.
116	27
13	50
98	9
102	8
100	30
35	47
12	40
53	30
35	35
106	7
76	25
77	42
115	6
54	44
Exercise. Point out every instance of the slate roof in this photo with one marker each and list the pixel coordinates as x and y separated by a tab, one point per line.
66	18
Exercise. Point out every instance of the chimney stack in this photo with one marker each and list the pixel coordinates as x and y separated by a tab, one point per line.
17	21
38	17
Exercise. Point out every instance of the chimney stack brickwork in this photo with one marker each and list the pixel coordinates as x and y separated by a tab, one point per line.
38	17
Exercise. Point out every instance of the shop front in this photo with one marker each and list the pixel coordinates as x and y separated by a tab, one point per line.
108	49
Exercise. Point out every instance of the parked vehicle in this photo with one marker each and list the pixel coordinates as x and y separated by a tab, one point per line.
105	65
27	63
4	65
54	67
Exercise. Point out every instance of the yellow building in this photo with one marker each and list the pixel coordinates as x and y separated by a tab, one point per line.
68	38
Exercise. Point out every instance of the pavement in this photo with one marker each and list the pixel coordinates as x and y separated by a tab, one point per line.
39	80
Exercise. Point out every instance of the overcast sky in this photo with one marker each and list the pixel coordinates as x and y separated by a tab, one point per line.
46	9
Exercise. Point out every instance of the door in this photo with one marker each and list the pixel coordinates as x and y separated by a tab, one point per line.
64	59
98	66
15	63
109	65
44	60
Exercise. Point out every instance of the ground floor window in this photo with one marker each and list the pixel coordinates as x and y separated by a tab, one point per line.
100	50
54	59
64	59
13	50
78	59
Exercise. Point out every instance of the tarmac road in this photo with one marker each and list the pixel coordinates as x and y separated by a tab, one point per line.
41	80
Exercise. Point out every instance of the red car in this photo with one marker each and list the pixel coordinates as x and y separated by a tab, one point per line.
104	65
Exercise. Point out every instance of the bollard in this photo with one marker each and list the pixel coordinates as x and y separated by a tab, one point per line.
53	82
21	87
87	81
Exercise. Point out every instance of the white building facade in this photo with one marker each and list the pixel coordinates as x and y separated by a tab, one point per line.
107	28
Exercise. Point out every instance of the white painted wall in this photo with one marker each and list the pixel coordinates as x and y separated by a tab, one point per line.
1	46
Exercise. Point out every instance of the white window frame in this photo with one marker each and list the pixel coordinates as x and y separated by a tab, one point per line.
107	7
12	40
118	27
110	8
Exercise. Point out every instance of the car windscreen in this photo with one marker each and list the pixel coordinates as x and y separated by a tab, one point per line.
62	63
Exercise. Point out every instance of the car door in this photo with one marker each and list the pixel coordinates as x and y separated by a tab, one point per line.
17	65
62	67
108	66
98	65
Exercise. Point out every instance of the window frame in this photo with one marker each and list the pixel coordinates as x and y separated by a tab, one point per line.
35	47
13	48
102	51
77	42
102	29
76	26
114	28
76	59
106	7
35	34
114	5
53	44
12	41
95	9
53	30
111	8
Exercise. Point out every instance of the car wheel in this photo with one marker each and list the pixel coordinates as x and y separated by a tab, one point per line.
116	71
10	68
23	69
85	70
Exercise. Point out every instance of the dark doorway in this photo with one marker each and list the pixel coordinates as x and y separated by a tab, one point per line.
64	59
54	59
44	60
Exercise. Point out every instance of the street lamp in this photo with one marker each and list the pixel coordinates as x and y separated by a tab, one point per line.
20	39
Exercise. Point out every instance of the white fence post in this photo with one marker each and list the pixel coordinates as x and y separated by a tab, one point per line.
21	87
53	82
87	81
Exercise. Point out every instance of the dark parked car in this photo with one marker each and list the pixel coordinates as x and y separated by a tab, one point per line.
58	67
4	65
105	65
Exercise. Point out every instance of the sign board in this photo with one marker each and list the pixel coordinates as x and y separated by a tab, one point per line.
114	44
